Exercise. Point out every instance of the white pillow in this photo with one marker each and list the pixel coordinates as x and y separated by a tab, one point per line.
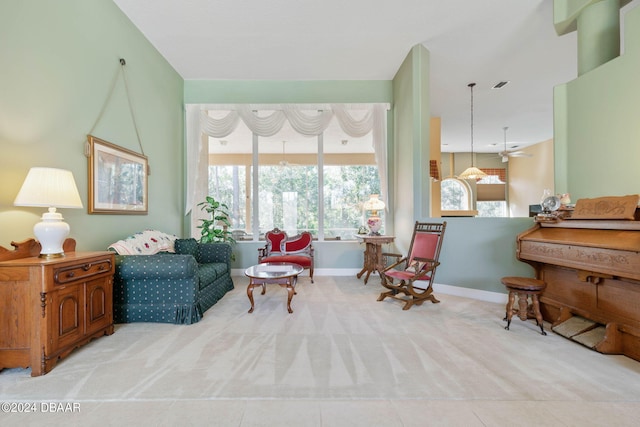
147	242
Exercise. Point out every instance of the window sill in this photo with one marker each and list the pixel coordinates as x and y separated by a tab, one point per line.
467	213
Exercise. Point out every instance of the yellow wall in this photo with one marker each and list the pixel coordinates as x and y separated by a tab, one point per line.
529	177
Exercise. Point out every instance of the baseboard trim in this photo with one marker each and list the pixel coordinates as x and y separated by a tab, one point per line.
477	294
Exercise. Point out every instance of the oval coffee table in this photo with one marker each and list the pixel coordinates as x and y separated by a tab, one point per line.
284	274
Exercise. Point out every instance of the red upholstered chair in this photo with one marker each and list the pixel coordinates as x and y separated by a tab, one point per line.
281	248
418	266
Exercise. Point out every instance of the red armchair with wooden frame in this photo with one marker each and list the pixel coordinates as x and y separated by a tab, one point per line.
418	266
281	248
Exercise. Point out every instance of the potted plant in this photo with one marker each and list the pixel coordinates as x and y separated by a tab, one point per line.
216	228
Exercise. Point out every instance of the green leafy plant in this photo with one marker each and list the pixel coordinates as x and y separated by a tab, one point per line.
216	228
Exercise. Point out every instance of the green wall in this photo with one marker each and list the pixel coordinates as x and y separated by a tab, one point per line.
598	125
411	143
59	59
286	91
476	252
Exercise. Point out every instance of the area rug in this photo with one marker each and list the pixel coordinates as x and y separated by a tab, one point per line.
339	343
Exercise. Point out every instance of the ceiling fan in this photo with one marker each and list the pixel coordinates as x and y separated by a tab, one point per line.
284	162
505	154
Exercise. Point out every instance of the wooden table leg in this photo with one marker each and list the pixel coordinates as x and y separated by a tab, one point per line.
290	292
378	259
365	266
369	261
250	294
288	283
373	259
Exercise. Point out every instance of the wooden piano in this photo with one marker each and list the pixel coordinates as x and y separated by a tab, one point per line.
592	271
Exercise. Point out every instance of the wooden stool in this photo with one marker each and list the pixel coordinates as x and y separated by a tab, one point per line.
523	287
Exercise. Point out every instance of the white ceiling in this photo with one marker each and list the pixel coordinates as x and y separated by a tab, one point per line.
481	41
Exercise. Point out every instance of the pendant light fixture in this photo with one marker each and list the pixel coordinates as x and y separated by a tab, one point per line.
472	172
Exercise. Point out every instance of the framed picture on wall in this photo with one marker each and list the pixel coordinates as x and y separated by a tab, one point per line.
117	179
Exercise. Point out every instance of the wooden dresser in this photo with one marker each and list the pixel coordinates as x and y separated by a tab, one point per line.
49	307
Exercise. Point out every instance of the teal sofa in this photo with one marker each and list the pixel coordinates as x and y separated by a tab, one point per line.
169	287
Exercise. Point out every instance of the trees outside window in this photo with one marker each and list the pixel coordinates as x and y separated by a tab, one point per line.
455	195
346	187
288	198
497	208
315	184
228	184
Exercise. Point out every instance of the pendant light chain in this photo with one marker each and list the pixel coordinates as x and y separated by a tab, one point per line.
471	85
472	172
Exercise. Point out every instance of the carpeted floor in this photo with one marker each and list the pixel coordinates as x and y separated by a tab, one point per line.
339	345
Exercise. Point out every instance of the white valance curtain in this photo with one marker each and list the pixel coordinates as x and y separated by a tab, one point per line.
199	124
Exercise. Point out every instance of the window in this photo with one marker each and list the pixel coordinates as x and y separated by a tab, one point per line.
491	198
492	209
287	182
303	183
346	187
228	183
455	195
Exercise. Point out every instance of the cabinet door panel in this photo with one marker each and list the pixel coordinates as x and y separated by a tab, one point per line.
67	317
99	304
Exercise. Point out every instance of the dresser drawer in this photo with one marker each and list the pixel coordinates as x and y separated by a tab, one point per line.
83	271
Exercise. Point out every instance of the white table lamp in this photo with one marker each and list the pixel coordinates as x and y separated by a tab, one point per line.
52	188
374	204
